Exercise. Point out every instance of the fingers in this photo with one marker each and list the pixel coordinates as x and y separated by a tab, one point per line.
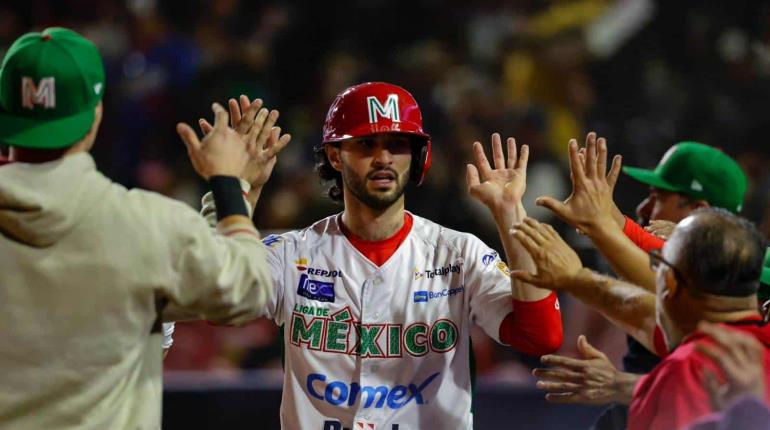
256	127
558	375
245	103
267	129
576	166
497	151
534	230
235	112
189	137
566	362
601	157
614	173
558	387
587	350
591	155
528	278
205	126
714	388
482	164
511	142
471	176
249	114
526	240
278	146
564	398
555	206
523	158
220	116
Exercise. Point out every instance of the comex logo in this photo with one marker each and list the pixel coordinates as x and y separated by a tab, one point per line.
338	393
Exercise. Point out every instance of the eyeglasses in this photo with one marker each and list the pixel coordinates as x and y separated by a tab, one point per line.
656	259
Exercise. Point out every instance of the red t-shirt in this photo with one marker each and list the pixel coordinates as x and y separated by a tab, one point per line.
641	237
533	327
673	396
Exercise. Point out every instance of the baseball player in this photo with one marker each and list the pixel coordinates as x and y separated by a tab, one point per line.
87	266
376	303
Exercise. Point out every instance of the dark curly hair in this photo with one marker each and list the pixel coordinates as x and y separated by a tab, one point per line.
328	173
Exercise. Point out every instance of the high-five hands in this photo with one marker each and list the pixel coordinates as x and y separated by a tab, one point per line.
501	188
557	264
590	206
221	152
591	379
255	126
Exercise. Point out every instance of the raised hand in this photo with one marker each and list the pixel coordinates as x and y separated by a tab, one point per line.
221	152
661	228
502	187
590	379
741	358
590	206
557	264
256	127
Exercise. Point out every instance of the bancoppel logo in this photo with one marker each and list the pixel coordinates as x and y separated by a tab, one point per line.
420	296
315	290
358	425
425	296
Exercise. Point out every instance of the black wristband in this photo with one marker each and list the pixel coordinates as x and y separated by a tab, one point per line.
228	197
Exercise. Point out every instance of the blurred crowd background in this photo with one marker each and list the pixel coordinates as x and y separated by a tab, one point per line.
642	73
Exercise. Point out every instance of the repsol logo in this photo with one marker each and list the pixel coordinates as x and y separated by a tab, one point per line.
339	393
324	272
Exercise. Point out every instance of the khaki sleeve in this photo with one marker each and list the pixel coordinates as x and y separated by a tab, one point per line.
216	274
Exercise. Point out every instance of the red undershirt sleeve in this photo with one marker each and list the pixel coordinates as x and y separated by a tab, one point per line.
641	237
535	327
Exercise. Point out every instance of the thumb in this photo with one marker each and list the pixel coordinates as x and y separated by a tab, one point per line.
529	278
555	206
189	137
587	350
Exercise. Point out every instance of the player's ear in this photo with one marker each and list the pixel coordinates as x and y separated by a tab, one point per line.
333	154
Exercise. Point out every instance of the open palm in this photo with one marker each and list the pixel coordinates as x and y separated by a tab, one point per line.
503	185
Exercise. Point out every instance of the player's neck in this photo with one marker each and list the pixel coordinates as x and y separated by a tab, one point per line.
370	224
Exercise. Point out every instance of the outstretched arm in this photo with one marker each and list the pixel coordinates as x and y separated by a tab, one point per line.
591	210
559	268
500	189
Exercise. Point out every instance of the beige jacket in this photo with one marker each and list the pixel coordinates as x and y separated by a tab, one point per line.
83	265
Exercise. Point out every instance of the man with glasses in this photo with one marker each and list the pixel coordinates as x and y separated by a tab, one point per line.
690	175
708	270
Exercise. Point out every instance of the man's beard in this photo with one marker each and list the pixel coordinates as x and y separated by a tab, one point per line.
375	200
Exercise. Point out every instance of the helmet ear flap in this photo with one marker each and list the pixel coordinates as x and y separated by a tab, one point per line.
421	160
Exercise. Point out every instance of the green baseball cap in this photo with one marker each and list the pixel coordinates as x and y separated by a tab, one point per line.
764	279
50	83
699	171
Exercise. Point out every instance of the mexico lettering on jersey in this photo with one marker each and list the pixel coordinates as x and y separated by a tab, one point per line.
382	347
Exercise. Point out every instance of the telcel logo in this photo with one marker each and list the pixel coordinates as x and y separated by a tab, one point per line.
339	393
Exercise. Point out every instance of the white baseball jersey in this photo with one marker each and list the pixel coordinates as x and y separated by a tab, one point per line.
386	347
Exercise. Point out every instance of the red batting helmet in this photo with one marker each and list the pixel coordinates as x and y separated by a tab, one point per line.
379	107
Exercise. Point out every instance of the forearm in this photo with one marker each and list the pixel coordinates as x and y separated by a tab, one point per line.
627	260
628	306
518	258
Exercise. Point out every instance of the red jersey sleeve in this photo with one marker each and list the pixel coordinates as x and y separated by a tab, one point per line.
641	237
535	327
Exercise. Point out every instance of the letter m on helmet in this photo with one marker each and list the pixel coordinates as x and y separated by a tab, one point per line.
43	94
389	110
